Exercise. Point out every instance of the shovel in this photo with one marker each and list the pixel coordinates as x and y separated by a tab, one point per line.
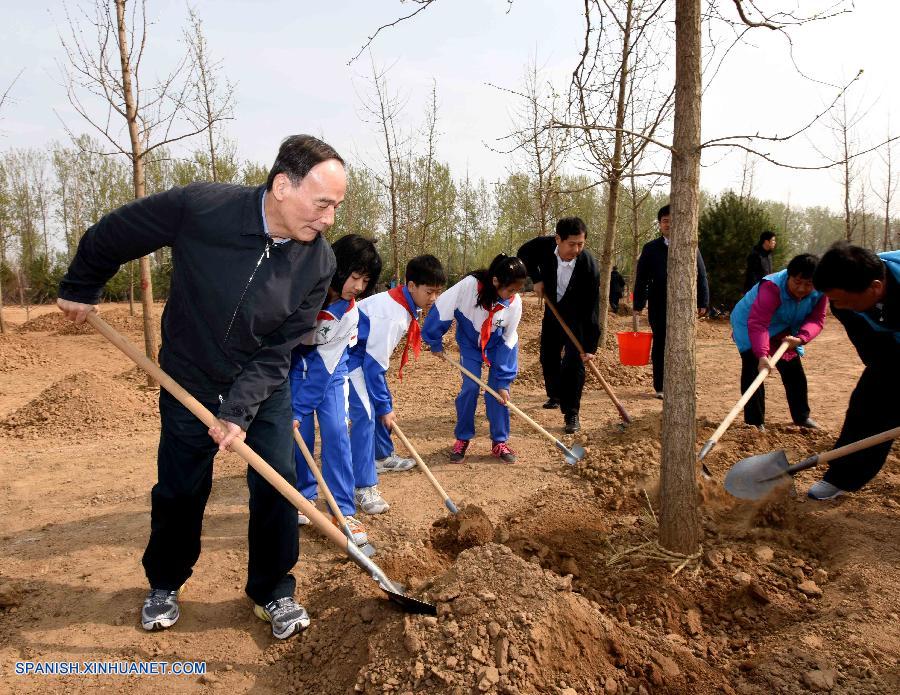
394	591
415	454
761	377
367	548
755	477
568	331
572	456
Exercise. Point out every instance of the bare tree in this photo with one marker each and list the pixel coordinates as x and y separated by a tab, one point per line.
748	174
615	83
888	189
211	100
843	125
4	100
679	518
104	51
383	108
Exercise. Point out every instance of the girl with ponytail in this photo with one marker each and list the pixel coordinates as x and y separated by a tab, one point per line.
487	310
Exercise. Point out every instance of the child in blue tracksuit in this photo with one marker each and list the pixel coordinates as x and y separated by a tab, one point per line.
318	377
487	310
384	319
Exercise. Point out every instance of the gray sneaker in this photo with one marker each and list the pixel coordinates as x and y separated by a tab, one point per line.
393	463
370	500
286	615
824	491
160	609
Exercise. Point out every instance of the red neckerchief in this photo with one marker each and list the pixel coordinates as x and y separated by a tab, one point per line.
414	333
486	328
325	315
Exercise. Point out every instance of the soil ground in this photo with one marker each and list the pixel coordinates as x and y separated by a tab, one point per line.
554	587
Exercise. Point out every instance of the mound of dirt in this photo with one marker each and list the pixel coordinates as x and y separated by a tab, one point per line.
713	329
119	318
17	352
53	322
456	532
507	625
84	403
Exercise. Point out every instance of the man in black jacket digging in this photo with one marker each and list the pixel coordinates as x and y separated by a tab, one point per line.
250	270
650	283
563	270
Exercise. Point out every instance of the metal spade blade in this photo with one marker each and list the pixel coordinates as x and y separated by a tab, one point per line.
394	590
573	455
755	477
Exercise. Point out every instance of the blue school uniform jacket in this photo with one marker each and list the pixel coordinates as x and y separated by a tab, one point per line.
460	302
383	323
322	354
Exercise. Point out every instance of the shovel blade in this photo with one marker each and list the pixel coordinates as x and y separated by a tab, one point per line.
755	477
408	603
573	455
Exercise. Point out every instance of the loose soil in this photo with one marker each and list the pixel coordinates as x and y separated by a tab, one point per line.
548	581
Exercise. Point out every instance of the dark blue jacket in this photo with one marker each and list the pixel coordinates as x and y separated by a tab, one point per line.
238	303
876	334
651	276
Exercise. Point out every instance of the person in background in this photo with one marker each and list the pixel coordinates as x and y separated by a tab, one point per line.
567	274
650	283
781	307
759	262
616	288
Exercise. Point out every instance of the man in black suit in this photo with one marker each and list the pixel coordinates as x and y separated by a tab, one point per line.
567	274
650	290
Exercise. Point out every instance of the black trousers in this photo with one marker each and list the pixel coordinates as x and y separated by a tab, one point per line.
184	481
873	409
658	350
563	376
795	388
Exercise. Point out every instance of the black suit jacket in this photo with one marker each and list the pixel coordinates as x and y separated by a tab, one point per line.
580	305
651	280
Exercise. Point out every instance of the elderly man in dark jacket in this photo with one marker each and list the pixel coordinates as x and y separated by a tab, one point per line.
759	262
250	271
567	274
650	283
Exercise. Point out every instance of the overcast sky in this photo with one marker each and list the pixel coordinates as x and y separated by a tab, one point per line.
289	62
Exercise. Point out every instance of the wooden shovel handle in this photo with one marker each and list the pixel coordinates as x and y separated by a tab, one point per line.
253	459
496	395
761	377
860	445
317	474
415	454
606	387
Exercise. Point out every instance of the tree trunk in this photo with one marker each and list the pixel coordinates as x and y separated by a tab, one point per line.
2	320
679	520
615	177
137	162
131	288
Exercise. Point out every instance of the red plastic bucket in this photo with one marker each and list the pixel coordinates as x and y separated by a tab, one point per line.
634	348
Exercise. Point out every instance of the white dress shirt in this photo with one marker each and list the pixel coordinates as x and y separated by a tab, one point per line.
564	271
